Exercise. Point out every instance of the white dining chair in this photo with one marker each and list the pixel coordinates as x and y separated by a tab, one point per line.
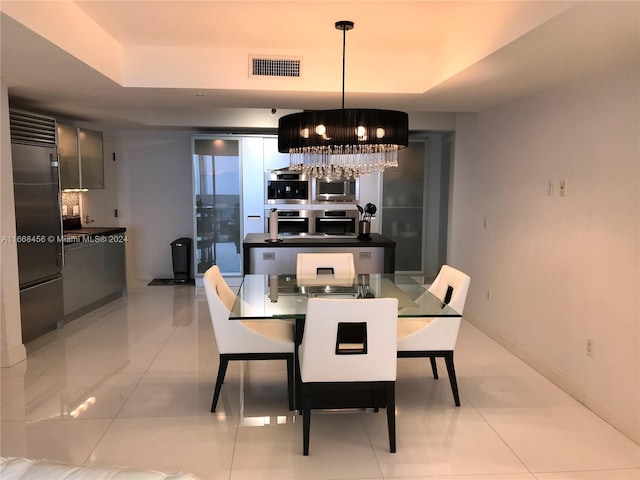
349	344
313	263
244	340
436	337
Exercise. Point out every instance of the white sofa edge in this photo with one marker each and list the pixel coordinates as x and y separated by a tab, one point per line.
14	468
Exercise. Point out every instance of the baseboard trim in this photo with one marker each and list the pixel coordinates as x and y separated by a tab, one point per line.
12	356
621	420
93	306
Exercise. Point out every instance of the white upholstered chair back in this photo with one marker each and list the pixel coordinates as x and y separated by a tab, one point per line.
437	337
459	281
439	333
217	283
318	359
235	336
309	263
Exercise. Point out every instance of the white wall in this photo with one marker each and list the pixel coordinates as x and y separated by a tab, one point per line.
155	200
560	269
12	350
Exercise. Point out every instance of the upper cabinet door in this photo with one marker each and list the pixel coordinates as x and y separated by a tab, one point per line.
91	158
69	160
81	158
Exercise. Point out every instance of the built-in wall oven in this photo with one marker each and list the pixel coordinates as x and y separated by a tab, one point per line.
336	222
292	222
284	187
327	189
315	222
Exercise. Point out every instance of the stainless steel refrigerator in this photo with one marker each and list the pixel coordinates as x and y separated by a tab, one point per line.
38	221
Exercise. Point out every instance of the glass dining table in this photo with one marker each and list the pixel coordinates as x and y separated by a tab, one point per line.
284	297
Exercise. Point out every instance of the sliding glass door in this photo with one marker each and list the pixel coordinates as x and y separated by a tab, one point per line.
216	187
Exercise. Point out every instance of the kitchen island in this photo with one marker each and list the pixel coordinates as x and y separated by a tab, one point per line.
371	256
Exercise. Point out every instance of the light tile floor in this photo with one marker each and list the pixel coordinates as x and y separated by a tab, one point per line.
131	384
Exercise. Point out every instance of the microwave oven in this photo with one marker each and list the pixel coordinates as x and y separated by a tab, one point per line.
327	189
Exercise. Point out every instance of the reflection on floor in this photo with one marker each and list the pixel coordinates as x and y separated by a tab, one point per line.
131	384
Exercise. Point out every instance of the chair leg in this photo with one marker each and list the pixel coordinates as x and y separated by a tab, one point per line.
391	415
290	380
376	400
306	420
434	367
222	371
448	358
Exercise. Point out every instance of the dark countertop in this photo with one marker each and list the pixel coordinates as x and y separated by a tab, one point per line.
80	234
254	240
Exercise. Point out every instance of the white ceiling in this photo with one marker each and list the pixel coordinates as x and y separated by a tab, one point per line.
176	63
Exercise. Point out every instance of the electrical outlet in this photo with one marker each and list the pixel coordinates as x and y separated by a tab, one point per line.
563	188
589	347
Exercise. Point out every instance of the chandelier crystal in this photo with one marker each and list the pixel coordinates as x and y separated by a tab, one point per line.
343	143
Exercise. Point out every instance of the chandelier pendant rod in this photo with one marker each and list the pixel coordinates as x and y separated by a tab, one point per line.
344	25
344	47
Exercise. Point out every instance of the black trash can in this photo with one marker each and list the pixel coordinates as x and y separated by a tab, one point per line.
181	255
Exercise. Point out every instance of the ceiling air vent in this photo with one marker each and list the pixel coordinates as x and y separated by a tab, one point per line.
261	66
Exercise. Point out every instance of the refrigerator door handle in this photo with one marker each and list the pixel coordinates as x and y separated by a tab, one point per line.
55	163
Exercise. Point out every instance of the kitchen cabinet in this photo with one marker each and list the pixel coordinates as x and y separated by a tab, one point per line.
91	158
253	184
270	260
259	155
93	273
281	258
68	155
415	204
115	273
273	159
81	158
368	259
